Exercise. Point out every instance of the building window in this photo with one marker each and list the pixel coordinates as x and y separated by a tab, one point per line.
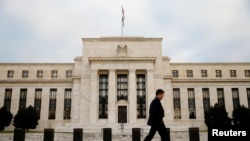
203	73
10	74
103	96
52	104
122	87
233	73
218	73
189	73
39	74
175	73
7	98
67	104
22	100
141	95
247	73
177	103
206	100
191	103
68	73
38	101
236	100
248	97
25	74
220	95
54	74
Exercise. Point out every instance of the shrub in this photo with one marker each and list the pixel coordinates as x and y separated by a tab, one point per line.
5	118
241	117
26	118
217	117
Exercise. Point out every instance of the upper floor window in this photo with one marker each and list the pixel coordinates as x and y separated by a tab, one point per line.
141	95
248	97
247	73
10	73
220	95
218	73
103	96
122	87
233	73
67	104
191	103
177	103
7	98
22	100
52	104
38	101
206	99
189	73
68	73
175	73
54	74
25	74
236	99
203	73
39	73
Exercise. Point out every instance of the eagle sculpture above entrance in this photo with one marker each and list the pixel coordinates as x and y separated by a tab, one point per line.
122	50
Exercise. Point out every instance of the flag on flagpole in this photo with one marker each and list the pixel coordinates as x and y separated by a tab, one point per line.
123	17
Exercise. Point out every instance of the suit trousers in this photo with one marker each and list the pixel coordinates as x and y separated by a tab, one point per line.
161	130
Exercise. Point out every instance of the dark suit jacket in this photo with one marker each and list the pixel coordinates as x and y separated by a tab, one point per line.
156	113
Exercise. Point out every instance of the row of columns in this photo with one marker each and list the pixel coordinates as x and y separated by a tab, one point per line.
112	101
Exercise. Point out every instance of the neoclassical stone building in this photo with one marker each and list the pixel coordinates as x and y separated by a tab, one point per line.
113	83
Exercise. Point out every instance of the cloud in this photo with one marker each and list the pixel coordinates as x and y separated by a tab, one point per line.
192	30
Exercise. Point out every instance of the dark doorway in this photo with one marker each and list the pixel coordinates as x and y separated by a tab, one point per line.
122	114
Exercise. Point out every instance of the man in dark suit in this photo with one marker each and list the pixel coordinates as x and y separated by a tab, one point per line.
156	114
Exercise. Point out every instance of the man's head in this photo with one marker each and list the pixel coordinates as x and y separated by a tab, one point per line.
159	94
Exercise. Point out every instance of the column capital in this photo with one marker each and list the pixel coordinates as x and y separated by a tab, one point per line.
132	70
112	70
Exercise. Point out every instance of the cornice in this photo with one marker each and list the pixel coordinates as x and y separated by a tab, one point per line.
121	59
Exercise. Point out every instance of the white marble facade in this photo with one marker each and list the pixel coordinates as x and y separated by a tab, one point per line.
129	56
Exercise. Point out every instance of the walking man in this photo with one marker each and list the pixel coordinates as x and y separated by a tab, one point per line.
156	114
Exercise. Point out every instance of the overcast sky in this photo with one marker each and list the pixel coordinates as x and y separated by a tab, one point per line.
192	30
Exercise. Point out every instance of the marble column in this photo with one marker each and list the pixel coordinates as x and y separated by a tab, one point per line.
76	101
93	97
150	89
111	96
132	113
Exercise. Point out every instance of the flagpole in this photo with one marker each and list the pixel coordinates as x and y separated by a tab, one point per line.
122	22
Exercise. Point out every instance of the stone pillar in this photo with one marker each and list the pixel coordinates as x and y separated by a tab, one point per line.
111	96
30	97
228	97
132	97
213	96
199	108
60	104
168	100
150	89
184	103
243	96
75	114
93	97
